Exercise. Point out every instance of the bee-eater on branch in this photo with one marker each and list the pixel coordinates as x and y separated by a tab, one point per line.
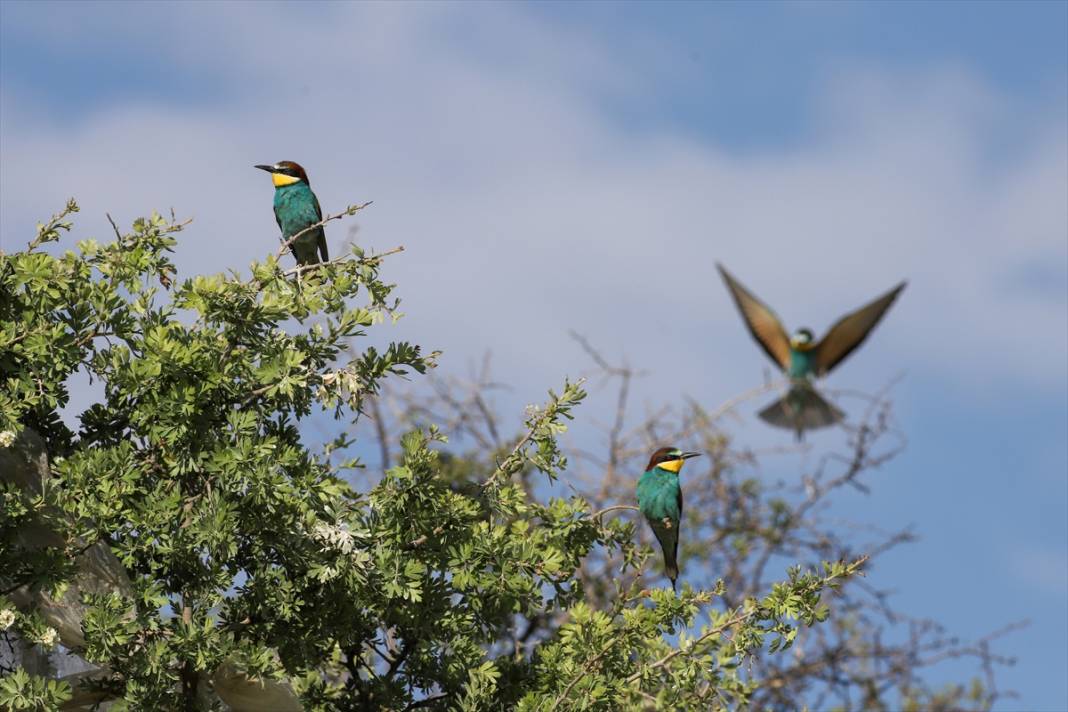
296	209
660	500
802	358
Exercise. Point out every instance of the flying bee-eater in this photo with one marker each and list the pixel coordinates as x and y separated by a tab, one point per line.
296	209
660	500
802	358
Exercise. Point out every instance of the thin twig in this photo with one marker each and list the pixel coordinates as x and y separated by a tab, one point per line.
598	514
114	227
300	269
734	620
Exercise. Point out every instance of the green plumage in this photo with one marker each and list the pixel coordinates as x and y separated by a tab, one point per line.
296	208
802	364
660	500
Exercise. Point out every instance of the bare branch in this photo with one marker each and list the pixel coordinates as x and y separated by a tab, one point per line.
300	269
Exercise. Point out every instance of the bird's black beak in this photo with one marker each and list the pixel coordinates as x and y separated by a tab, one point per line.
269	169
688	455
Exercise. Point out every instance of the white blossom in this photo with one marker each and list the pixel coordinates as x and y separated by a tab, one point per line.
6	438
49	638
7	617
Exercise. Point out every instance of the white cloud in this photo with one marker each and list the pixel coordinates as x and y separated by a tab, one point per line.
1045	569
528	208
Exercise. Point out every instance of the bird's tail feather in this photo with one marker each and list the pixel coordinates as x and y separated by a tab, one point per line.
668	536
801	409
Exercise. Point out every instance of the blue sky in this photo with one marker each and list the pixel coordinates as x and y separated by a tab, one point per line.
554	166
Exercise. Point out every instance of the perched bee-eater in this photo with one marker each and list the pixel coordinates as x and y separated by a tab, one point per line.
802	358
296	208
660	500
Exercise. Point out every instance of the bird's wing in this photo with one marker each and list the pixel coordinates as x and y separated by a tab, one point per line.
850	331
324	254
675	554
761	320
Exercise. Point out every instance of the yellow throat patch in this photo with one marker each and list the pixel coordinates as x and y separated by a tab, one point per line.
672	465
281	179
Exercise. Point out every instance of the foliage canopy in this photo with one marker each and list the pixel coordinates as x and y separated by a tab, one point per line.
196	552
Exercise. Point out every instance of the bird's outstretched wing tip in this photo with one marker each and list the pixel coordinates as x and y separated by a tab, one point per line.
760	319
853	329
